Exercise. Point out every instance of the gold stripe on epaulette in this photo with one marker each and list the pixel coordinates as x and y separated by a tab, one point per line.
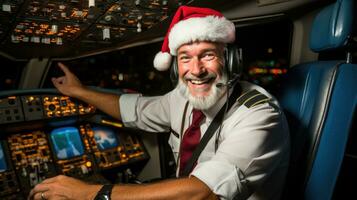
242	99
252	98
256	100
260	102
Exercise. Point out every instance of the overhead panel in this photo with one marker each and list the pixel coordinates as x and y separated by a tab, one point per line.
44	24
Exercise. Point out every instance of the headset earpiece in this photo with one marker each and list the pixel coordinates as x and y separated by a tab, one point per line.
174	71
233	60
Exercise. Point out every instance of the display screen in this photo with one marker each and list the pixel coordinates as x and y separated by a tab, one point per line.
67	142
105	138
3	165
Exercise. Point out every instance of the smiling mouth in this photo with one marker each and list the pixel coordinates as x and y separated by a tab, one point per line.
200	81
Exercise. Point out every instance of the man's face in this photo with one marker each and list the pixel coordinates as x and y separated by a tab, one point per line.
200	67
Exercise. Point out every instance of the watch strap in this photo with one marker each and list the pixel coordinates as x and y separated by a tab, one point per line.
104	192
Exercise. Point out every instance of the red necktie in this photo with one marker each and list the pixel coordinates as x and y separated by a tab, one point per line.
191	139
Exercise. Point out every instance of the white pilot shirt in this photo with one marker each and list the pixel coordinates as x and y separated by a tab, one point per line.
253	151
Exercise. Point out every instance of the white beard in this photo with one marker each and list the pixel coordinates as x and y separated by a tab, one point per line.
204	102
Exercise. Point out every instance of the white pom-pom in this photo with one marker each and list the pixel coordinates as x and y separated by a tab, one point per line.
162	61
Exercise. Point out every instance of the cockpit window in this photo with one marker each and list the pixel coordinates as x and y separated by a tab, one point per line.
10	73
266	54
266	51
129	69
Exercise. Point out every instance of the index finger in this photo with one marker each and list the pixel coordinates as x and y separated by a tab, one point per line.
38	188
64	68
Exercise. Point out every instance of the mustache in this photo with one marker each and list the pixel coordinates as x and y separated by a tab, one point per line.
189	77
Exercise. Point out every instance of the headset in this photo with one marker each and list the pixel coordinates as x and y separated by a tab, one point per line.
233	64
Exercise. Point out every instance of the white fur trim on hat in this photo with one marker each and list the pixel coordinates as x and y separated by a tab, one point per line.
162	61
210	28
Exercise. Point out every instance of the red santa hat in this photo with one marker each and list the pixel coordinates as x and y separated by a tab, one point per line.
192	24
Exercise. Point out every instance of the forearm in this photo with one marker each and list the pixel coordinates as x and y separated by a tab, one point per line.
106	102
186	188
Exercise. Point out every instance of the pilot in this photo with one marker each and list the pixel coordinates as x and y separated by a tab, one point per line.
246	158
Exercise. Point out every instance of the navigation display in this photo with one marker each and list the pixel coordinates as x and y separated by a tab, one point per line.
67	142
3	165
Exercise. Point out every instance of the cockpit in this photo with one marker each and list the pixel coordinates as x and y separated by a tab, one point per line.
110	46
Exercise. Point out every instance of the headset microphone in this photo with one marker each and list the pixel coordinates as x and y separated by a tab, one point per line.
230	83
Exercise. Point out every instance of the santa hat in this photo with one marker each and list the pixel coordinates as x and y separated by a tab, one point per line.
191	24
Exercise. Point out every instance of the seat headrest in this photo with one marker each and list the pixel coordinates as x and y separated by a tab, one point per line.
333	26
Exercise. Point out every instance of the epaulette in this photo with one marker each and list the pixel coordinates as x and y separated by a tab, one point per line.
252	98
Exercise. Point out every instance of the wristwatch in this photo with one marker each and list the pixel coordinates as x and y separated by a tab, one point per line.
104	192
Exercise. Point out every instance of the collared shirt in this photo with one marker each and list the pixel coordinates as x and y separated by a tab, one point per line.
253	146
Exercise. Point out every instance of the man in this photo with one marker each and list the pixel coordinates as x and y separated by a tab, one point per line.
246	158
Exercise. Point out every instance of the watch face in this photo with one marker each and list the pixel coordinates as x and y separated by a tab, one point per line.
102	197
104	193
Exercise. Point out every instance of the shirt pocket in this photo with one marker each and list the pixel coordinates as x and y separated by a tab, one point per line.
174	143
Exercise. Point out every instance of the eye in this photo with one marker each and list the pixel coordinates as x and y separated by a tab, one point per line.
184	58
208	56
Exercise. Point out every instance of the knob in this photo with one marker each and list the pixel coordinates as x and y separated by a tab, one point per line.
52	107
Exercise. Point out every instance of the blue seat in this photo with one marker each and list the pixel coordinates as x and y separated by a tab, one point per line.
319	99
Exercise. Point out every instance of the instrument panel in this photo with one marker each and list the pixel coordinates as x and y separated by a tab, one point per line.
44	135
34	107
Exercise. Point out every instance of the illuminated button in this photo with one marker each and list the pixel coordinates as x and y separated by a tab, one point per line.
59	41
106	33
54	28
84	169
78	13
139	28
89	164
23	172
14	39
25	39
35	39
108	18
46	40
6	7
91	3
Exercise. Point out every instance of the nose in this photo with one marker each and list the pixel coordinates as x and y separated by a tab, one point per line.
197	67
